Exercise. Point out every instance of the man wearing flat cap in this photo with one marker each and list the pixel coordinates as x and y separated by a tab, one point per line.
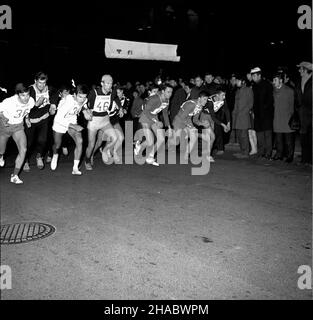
304	107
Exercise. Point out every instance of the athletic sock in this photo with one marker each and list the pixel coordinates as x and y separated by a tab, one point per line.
76	163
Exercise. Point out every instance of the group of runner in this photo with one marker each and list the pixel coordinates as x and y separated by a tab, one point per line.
30	114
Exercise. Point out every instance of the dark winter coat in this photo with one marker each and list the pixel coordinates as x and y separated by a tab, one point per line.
304	106
283	109
263	106
243	106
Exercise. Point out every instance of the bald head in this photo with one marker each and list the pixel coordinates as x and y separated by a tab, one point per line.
106	82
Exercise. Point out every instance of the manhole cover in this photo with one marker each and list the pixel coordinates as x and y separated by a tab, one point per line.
24	232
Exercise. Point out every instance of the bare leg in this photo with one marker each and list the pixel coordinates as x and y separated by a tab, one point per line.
159	133
148	142
99	142
120	137
193	138
57	137
112	138
208	136
92	134
77	137
3	144
253	142
21	143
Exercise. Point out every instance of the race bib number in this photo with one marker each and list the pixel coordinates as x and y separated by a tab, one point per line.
75	111
21	113
102	103
160	108
45	96
72	113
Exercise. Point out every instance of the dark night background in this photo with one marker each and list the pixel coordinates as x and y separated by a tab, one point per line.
67	39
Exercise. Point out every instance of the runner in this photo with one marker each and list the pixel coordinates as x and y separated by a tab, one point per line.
61	94
66	121
152	90
183	121
37	133
13	110
149	120
101	102
206	118
115	117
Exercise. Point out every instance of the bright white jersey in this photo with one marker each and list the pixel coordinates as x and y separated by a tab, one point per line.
68	109
14	110
44	93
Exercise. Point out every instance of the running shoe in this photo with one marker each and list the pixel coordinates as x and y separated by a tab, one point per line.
152	161
210	158
15	179
54	162
2	162
76	172
88	166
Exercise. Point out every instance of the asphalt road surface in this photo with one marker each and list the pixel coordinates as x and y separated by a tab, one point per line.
145	232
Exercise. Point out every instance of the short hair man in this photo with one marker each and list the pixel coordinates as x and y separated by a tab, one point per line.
37	133
66	121
283	109
263	109
13	110
304	105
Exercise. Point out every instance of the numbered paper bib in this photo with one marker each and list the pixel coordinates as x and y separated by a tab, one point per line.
44	94
102	103
21	111
74	111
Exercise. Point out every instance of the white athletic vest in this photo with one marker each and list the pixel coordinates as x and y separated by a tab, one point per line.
44	94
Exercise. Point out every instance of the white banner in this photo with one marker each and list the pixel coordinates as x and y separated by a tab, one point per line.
122	49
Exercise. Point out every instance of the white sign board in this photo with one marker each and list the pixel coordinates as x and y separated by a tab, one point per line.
122	49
